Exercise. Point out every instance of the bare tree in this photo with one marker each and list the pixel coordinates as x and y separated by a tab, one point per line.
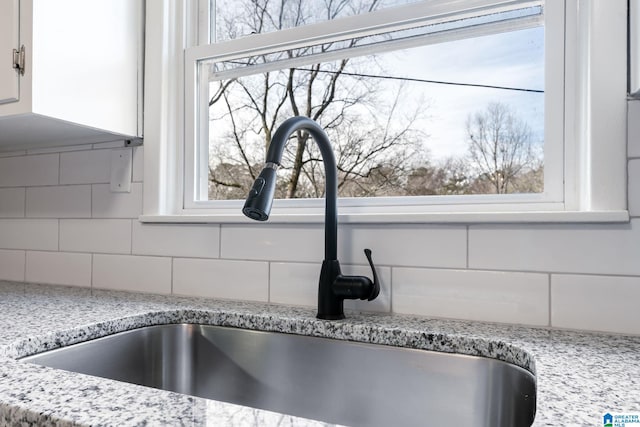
372	135
501	148
449	176
531	180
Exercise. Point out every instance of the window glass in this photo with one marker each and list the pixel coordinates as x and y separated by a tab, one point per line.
238	18
465	117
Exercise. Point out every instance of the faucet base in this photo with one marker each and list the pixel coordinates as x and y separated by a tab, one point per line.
330	306
330	316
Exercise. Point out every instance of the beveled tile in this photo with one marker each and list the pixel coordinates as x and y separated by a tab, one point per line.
491	296
240	280
132	273
598	303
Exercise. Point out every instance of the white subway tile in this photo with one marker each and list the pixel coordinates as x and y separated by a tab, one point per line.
242	280
273	242
297	283
633	123
598	303
563	248
634	186
72	201
106	204
41	169
294	283
85	167
29	170
12	171
132	273
405	245
12	202
95	235
180	240
472	295
138	164
34	234
12	265
59	268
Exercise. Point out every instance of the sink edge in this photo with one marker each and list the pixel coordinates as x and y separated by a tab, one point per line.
417	336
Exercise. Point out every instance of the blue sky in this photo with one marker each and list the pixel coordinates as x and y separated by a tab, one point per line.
514	59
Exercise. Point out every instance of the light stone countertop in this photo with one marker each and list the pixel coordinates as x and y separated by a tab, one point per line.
580	376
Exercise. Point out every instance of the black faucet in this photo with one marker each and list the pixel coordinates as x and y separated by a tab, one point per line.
334	287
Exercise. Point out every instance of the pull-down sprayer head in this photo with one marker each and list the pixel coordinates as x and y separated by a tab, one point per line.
260	198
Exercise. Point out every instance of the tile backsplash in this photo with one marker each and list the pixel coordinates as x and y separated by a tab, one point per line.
60	224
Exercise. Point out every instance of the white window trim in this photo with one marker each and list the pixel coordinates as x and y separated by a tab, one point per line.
634	49
594	111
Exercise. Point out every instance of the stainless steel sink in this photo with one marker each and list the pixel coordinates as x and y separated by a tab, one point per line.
329	380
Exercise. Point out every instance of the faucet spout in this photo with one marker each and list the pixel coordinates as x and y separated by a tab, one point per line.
333	287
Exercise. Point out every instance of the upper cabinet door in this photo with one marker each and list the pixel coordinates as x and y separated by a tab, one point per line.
9	40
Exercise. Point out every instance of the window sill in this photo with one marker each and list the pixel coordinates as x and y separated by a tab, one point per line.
616	216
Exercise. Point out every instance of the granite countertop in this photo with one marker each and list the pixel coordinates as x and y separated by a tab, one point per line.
580	376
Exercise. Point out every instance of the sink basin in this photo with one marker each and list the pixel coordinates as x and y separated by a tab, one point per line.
329	380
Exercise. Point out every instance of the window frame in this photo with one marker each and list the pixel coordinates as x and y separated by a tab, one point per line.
583	87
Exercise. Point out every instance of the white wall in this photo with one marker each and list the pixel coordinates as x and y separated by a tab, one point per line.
60	224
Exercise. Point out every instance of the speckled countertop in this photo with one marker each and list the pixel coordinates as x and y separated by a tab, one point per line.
580	376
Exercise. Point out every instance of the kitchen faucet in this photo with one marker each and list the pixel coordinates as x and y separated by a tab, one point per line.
334	287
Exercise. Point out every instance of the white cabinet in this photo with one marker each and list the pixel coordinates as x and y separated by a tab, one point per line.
82	74
9	40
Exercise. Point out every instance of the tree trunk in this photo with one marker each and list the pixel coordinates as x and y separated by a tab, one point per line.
302	138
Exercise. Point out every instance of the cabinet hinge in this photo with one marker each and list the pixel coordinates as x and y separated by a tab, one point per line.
18	60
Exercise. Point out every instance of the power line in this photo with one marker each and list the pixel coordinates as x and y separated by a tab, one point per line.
412	79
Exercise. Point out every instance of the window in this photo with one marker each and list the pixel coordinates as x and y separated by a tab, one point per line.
399	147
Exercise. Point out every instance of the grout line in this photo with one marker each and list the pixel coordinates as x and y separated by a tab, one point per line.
71	184
219	241
8	187
53	185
